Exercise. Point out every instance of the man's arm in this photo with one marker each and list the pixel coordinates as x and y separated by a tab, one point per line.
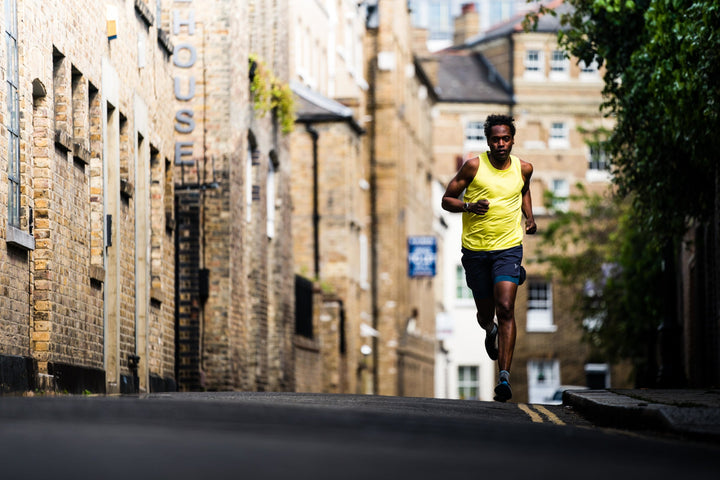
451	200
527	171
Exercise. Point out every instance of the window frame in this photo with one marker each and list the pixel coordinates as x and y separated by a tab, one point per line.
559	135
541	391
597	158
598	164
463	294
468	384
539	316
561	194
559	67
13	114
589	72
475	132
474	136
534	67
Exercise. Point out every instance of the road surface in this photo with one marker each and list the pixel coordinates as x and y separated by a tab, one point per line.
307	436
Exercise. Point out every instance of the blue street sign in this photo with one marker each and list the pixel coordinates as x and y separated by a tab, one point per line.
422	252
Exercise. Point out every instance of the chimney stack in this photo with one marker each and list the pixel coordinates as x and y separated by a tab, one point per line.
467	25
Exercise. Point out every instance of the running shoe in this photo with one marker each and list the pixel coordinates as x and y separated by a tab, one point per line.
491	343
503	392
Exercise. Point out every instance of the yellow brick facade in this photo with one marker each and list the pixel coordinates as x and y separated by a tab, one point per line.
332	203
90	147
399	148
236	314
373	192
137	131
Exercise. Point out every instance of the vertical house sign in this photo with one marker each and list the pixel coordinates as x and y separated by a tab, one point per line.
184	57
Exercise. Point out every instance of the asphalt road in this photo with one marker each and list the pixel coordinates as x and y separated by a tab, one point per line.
306	436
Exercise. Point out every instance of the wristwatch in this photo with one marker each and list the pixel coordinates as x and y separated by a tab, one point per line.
466	206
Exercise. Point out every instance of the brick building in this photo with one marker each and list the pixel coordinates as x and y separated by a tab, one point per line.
398	146
361	190
330	232
235	276
330	193
86	233
555	103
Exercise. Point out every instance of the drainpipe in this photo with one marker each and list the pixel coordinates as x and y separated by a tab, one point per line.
316	211
511	80
372	107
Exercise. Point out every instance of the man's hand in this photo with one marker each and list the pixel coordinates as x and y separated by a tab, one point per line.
530	226
479	208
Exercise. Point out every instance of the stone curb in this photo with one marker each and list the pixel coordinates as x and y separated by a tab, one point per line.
608	409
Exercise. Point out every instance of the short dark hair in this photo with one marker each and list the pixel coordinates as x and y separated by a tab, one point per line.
494	120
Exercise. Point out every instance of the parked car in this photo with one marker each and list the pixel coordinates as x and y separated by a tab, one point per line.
556	398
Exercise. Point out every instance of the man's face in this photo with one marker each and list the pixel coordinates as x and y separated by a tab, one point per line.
500	142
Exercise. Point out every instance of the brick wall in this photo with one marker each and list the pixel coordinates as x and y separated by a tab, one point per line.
188	281
57	297
403	155
343	219
247	316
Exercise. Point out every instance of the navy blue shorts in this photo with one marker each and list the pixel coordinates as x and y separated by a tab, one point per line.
484	269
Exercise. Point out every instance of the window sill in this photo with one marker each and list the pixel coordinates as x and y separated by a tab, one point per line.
156	296
62	139
559	76
593	176
305	343
558	144
534	76
541	328
97	273
81	153
464	302
534	145
18	238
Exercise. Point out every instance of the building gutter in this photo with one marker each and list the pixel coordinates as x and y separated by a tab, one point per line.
316	211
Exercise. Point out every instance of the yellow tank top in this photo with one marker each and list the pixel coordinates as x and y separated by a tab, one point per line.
501	226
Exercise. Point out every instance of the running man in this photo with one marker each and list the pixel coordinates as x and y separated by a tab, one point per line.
496	188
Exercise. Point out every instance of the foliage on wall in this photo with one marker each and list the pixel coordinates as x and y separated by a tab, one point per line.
271	94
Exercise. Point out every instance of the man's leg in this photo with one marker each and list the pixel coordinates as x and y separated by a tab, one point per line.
485	312
505	293
486	320
479	279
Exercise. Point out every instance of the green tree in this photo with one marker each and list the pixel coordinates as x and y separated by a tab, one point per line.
662	65
661	68
599	251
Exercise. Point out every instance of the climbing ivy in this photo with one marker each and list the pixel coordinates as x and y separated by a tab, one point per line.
271	94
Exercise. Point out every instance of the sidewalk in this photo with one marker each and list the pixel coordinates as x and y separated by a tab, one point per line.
689	413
